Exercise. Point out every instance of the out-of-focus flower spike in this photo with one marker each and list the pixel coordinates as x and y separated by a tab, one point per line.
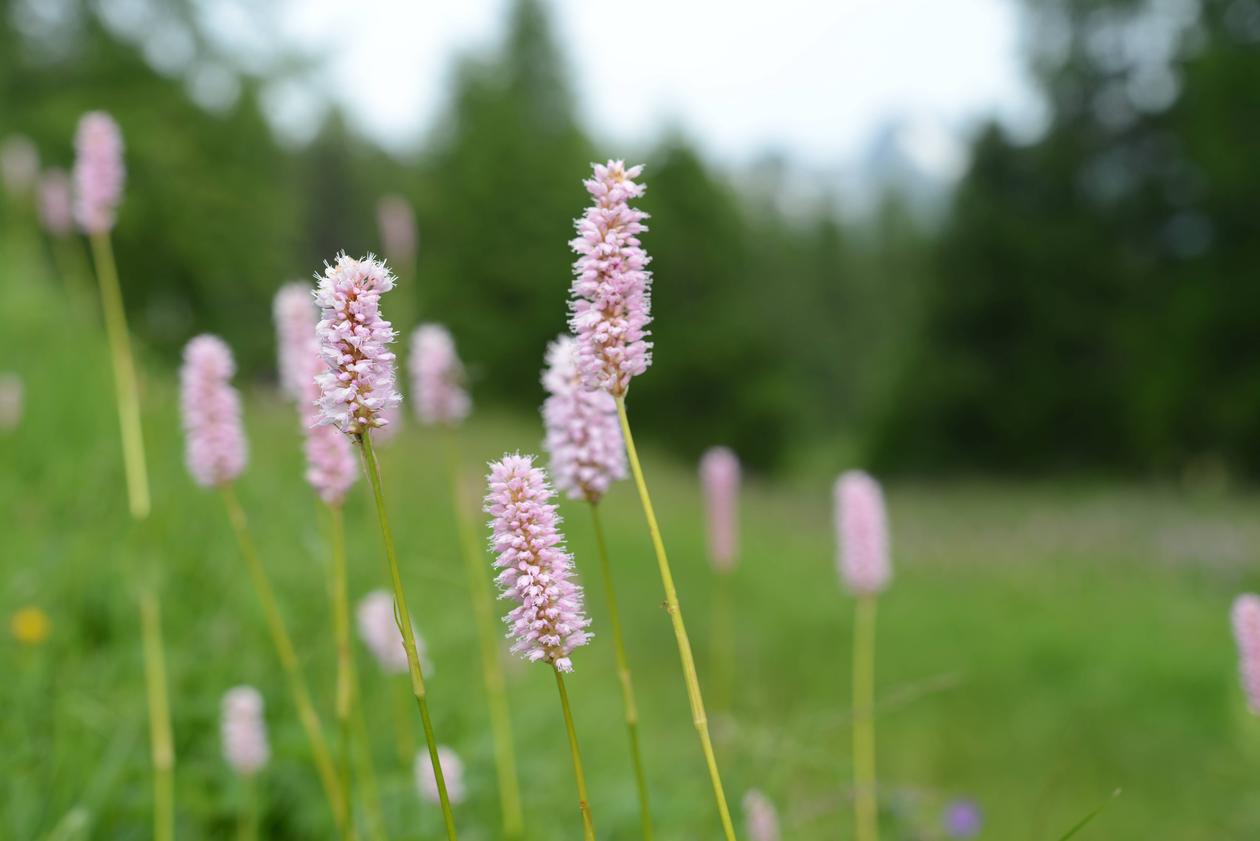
719	478
862	529
215	439
583	435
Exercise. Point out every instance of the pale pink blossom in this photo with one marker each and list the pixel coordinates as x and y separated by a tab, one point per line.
719	478
609	304
583	435
397	224
295	316
358	383
215	439
378	628
56	203
331	467
535	570
99	172
452	773
437	377
19	165
760	817
1246	619
244	731
862	530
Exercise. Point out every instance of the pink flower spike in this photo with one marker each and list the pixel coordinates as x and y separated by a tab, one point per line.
862	530
760	817
98	172
378	628
437	377
719	477
19	165
215	440
56	203
452	771
583	435
609	305
397	225
535	570
295	316
1246	620
358	383
243	730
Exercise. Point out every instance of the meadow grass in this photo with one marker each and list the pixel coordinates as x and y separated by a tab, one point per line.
1040	645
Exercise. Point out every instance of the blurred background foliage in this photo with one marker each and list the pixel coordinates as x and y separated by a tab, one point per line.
1081	301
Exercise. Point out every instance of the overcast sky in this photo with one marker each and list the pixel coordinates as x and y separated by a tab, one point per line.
814	78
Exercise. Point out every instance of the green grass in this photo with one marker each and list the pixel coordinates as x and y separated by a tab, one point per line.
1040	647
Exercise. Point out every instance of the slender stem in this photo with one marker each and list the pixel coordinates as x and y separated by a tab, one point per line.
402	722
584	803
344	693
698	716
248	829
403	616
288	660
865	810
161	744
126	391
491	661
623	674
722	642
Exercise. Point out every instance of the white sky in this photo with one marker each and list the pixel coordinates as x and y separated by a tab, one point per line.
809	77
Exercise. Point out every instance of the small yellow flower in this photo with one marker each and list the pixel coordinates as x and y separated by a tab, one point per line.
30	625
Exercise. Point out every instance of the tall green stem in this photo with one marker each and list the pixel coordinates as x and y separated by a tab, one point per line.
722	642
127	400
349	713
126	390
403	616
865	809
247	830
288	660
623	674
491	660
584	803
698	715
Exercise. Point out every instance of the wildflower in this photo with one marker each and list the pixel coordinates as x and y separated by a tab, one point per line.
862	529
98	172
1246	618
437	377
719	477
378	628
452	771
56	203
216	448
609	307
534	569
583	436
30	626
244	731
963	819
354	340
295	316
760	817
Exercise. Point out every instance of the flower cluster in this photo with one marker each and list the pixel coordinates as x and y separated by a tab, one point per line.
452	773
719	477
760	817
378	628
862	529
98	172
583	436
609	308
549	620
358	383
244	731
56	203
437	377
1246	619
215	440
294	313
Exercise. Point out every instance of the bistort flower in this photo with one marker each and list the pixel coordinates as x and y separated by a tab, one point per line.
583	436
609	305
295	316
98	172
215	439
535	570
719	478
862	530
760	817
244	731
378	628
1246	620
354	340
437	377
56	203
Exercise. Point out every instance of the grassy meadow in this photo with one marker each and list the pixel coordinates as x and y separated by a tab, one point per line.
1041	645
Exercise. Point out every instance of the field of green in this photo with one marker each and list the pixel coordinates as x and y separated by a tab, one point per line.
1040	647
